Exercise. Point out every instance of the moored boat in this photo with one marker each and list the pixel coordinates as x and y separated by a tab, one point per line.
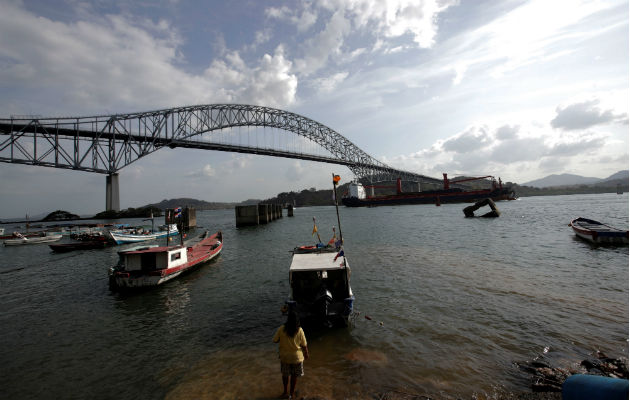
81	245
140	234
597	232
320	287
151	266
319	280
23	240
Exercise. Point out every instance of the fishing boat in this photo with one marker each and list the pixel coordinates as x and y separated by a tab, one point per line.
140	234
357	197
80	245
320	287
23	240
151	266
596	232
319	281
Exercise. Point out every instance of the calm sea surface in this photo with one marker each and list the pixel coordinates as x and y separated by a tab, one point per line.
454	304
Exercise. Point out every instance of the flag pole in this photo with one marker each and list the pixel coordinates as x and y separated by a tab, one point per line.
316	230
335	180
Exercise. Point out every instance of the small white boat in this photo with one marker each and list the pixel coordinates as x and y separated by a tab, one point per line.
140	234
153	265
320	287
22	240
596	232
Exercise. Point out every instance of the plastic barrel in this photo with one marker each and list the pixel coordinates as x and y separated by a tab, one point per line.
593	387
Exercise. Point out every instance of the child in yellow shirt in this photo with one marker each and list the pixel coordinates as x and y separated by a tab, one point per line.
292	350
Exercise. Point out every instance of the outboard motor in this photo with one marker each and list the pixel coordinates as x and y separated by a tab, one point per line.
322	300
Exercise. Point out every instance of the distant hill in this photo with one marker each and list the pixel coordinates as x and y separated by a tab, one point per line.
561	180
571	180
619	175
308	197
194	203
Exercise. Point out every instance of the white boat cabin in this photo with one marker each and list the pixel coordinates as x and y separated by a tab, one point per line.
309	272
154	258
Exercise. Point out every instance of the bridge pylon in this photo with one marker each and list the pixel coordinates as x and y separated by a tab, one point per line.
112	193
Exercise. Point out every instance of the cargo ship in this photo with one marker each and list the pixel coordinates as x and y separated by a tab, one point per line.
356	195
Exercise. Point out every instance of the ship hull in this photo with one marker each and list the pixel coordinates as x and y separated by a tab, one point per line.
430	197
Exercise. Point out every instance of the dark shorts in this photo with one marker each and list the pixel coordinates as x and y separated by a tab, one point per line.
292	369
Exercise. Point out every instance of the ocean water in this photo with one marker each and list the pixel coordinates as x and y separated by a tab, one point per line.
452	305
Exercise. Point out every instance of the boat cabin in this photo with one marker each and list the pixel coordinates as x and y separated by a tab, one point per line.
154	258
320	285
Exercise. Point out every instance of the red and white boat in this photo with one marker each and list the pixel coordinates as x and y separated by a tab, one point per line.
151	266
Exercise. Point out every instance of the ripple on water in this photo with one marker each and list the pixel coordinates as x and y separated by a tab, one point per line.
453	302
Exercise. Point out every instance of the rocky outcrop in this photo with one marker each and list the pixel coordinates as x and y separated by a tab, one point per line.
546	378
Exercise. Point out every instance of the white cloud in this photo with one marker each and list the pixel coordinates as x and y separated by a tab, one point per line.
116	63
535	32
237	162
303	21
473	139
208	170
585	115
328	84
205	172
396	18
516	152
271	83
328	42
296	172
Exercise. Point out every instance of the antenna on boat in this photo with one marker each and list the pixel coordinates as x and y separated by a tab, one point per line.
180	227
336	179
168	218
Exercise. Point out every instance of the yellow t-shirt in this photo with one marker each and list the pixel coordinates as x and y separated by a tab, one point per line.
290	347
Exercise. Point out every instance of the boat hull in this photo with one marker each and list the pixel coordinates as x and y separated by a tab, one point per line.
123	238
598	233
200	253
430	197
334	313
88	245
32	240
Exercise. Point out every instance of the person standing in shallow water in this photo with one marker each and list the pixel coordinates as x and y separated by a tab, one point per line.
292	350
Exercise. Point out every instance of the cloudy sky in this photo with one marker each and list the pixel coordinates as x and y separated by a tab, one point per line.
516	89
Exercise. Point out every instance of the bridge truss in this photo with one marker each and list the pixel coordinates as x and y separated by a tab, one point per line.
106	144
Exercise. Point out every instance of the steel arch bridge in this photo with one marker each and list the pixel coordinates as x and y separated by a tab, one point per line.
106	144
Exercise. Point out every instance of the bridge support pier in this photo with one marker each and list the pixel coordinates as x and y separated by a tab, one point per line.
112	193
